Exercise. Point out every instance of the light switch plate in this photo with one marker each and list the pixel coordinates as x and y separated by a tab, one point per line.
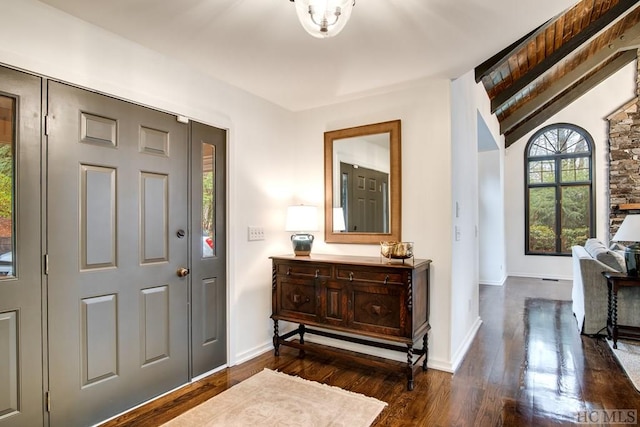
256	233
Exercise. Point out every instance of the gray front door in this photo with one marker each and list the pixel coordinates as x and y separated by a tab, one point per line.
117	215
21	394
208	278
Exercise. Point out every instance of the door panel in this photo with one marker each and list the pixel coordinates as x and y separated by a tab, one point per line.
208	249
118	315
21	390
365	200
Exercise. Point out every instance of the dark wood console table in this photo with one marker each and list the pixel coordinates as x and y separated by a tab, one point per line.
371	297
615	281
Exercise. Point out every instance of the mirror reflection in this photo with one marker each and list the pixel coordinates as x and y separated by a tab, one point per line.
362	183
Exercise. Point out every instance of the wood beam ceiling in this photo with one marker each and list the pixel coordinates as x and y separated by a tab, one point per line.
552	66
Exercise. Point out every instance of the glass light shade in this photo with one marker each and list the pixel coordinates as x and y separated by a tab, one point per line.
302	218
338	220
324	18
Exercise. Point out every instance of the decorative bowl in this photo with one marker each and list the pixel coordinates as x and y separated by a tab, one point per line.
396	250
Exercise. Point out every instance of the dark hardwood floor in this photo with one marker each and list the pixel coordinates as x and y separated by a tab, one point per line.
527	366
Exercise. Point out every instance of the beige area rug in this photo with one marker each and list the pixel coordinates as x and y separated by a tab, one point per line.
628	354
272	398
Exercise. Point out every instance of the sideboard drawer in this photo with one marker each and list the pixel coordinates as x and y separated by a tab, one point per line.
303	270
377	275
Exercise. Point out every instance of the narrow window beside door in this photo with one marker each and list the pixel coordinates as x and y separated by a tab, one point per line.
7	147
208	200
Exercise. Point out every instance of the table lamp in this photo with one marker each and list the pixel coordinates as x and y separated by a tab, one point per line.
300	220
629	231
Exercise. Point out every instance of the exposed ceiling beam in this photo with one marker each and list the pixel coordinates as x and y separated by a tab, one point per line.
595	27
490	65
630	40
568	97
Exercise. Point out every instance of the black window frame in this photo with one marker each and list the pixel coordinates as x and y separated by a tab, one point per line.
558	184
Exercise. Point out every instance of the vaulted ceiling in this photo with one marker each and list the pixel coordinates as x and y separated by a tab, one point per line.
561	49
543	72
260	47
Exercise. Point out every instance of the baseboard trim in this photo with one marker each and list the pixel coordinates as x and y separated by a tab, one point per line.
252	353
466	344
533	276
494	282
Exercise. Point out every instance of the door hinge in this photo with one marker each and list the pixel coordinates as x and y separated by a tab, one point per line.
47	401
46	263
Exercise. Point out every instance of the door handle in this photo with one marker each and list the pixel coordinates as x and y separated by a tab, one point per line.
183	272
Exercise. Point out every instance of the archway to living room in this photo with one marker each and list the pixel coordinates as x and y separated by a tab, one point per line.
491	242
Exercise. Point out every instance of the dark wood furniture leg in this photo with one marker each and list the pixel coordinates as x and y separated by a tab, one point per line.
425	349
614	316
409	367
276	339
301	331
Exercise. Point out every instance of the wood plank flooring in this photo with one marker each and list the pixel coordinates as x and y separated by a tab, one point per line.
527	366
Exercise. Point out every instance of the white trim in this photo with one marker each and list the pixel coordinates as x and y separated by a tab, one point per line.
547	277
252	353
466	344
208	373
500	282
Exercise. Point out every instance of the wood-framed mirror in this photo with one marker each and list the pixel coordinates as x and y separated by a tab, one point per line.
362	184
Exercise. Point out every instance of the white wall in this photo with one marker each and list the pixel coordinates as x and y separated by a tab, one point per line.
588	112
467	104
426	186
491	241
275	157
491	220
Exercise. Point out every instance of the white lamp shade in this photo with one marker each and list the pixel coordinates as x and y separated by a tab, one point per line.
302	218
338	219
324	18
629	231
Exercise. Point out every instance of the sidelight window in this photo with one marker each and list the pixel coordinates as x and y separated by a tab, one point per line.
559	190
208	200
7	167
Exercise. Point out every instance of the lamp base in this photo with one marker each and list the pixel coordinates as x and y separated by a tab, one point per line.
632	259
302	244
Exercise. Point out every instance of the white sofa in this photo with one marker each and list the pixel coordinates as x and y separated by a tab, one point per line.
589	292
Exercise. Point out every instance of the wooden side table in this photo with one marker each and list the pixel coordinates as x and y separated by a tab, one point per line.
615	281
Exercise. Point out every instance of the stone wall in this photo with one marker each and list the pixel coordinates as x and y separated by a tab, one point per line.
624	159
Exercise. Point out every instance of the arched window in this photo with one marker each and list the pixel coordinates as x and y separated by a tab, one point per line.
559	190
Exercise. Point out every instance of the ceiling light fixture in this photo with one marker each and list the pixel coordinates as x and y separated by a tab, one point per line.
323	18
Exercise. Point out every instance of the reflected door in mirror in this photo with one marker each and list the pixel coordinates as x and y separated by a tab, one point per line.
364	196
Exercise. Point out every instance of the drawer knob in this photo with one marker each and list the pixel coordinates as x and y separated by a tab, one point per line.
317	273
386	280
351	276
288	271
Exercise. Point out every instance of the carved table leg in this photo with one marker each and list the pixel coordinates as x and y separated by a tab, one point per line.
609	322
301	331
425	349
614	319
276	339
409	367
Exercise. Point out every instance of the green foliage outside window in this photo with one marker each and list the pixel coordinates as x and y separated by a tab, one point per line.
559	189
6	181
